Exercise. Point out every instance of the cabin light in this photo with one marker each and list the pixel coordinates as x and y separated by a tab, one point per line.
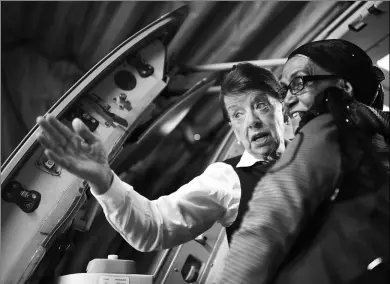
384	63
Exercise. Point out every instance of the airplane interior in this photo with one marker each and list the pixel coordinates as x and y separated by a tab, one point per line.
160	119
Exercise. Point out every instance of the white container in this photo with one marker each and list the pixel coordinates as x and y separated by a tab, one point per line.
107	271
103	278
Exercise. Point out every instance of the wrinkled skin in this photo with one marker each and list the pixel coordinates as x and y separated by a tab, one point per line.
79	152
257	113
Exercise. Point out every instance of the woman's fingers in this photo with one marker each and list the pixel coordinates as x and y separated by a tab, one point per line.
45	142
82	130
60	127
51	132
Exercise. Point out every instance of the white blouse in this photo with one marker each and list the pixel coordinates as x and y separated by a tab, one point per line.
170	220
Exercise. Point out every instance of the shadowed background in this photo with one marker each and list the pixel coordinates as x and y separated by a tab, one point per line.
48	46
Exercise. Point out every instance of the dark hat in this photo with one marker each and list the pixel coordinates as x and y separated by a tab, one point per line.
350	62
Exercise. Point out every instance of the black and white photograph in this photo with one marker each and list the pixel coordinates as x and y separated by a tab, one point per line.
204	142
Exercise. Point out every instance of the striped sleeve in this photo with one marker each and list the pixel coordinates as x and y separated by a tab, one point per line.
306	174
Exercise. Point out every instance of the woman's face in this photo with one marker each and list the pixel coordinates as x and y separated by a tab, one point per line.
257	121
311	93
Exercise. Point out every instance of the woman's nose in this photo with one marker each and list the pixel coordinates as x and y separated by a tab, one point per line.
252	120
289	99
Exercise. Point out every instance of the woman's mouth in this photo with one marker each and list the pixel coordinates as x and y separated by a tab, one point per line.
260	138
296	114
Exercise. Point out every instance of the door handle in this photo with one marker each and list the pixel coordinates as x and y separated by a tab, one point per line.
191	269
192	274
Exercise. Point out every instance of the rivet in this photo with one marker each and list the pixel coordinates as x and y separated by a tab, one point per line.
175	269
211	264
374	263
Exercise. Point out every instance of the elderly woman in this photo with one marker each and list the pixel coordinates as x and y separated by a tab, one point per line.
250	102
321	214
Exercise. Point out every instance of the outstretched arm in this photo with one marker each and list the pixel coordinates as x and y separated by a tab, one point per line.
146	225
176	218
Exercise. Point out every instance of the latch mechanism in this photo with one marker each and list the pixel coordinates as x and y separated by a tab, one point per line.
47	165
122	102
27	200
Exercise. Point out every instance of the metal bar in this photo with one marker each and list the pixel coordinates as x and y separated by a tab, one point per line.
206	271
171	265
347	13
214	90
229	65
161	262
363	12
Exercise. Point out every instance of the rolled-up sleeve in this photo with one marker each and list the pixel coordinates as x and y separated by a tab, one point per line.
173	219
295	186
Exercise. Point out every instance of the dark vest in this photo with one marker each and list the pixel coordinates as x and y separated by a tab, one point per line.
249	177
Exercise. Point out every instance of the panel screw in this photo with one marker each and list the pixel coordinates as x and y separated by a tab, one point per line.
122	96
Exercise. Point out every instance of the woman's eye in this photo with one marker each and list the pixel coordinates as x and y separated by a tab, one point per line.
261	106
297	86
237	115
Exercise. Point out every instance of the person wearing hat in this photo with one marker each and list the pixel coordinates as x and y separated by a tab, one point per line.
321	213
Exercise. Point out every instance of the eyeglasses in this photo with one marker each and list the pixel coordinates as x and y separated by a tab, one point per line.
298	83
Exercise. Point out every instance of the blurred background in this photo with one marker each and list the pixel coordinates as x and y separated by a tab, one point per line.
48	46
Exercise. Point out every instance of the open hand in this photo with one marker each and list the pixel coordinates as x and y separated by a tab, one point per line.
81	152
